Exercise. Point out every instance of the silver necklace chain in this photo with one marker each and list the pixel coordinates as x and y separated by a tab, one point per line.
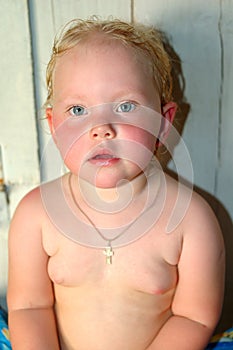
108	250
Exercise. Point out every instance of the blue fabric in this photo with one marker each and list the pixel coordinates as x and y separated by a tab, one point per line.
4	333
223	341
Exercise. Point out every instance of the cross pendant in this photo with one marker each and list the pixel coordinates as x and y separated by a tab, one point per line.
109	254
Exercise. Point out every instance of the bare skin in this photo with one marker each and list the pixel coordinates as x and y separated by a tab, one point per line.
162	289
124	305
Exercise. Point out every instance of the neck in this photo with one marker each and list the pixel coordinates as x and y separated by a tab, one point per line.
121	195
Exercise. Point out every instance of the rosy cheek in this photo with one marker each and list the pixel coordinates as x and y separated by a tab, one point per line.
140	136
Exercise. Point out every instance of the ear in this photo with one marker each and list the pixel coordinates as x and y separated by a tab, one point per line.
168	112
49	117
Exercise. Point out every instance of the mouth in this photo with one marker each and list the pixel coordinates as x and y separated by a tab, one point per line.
103	158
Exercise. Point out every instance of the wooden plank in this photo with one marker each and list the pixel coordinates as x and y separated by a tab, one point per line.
43	30
224	185
18	132
192	28
18	136
67	10
225	170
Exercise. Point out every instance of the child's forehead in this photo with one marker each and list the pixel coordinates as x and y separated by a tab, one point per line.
86	65
108	62
101	44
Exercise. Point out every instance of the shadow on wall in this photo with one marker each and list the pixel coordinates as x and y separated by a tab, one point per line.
3	302
221	213
178	96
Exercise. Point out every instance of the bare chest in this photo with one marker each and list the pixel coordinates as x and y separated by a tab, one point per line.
149	264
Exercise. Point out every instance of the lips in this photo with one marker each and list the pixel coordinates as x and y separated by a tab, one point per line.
103	157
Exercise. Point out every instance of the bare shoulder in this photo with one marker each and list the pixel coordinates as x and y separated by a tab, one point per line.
200	216
197	208
31	208
197	215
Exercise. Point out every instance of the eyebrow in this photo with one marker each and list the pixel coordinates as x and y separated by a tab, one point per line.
124	94
70	99
129	93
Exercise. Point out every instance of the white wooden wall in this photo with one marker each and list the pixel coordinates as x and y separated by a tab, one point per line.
18	135
201	36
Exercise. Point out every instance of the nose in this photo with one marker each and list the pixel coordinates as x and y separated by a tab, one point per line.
104	131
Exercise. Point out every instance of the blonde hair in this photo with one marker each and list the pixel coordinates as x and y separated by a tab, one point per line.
144	39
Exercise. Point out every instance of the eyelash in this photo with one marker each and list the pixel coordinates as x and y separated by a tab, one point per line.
131	103
78	107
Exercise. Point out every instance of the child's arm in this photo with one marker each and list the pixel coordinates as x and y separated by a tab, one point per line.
30	293
198	299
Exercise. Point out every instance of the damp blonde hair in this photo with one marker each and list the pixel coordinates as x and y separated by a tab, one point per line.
145	40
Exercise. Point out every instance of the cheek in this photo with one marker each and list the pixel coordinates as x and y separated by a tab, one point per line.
140	136
71	159
72	149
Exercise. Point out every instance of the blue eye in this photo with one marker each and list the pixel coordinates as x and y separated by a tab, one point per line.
77	111
126	107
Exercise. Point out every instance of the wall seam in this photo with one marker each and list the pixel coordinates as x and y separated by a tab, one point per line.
132	11
53	17
219	132
31	18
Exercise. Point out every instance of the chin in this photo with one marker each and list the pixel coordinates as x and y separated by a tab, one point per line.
105	183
